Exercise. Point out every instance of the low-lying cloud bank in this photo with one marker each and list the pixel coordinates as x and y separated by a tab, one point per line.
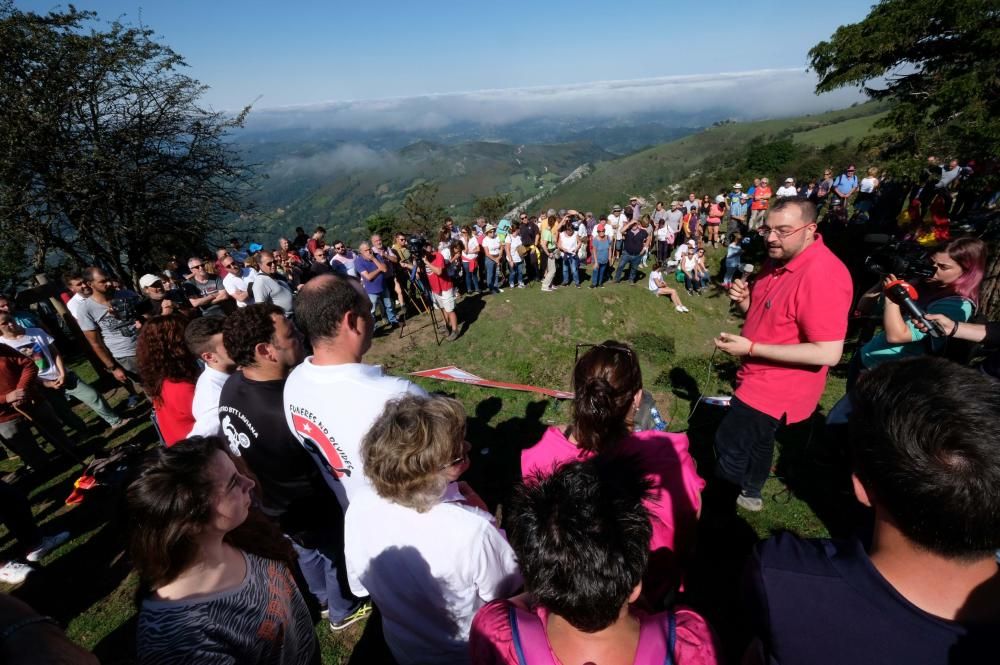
743	95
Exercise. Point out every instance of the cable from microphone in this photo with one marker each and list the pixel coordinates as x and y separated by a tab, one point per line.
903	294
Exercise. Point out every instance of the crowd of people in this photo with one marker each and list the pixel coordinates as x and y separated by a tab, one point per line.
296	481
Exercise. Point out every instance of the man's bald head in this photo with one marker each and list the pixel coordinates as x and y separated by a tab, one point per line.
324	301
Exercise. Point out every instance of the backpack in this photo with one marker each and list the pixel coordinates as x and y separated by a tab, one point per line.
532	647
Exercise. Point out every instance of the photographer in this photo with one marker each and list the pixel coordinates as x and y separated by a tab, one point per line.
442	287
953	290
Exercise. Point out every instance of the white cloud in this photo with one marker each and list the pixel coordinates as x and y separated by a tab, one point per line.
746	95
344	158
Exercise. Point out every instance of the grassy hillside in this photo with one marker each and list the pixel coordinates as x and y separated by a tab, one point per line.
299	197
664	171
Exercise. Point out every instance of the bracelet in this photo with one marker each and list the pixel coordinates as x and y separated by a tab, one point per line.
752	344
954	329
24	623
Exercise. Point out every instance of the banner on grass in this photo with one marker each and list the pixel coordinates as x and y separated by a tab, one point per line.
452	373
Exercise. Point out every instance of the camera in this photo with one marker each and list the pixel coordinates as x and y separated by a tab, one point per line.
906	260
416	244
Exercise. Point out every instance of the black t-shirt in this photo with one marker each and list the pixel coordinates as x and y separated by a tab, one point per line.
194	289
823	601
529	233
252	419
150	307
635	240
317	268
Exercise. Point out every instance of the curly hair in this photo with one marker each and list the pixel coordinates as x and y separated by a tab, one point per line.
247	327
409	445
162	354
169	504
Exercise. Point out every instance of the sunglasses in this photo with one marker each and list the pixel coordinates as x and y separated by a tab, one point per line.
197	267
267	263
611	347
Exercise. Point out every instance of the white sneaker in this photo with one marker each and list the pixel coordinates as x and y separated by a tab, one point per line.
14	572
48	544
682	309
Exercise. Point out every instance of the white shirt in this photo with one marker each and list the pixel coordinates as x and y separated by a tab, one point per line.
74	305
654	277
205	406
428	572
513	241
868	185
232	284
617	222
330	408
787	190
569	243
34	344
471	250
680	252
492	246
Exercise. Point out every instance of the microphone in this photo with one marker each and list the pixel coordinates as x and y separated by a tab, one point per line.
903	294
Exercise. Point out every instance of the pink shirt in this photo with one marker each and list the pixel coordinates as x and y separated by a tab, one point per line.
491	641
806	300
673	506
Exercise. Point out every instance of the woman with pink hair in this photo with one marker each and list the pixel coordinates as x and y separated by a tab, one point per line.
953	290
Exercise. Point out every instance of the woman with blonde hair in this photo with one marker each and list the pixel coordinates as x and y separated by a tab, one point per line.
422	544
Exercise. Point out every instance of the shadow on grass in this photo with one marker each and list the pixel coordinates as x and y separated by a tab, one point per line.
496	450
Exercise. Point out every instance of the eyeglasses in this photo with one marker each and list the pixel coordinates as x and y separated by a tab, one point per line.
267	263
200	266
466	447
610	347
765	231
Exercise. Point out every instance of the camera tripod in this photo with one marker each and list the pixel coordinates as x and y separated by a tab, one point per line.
419	282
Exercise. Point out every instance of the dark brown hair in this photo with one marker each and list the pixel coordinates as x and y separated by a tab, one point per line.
169	505
605	380
162	353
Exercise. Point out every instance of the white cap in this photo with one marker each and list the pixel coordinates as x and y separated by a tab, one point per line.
148	280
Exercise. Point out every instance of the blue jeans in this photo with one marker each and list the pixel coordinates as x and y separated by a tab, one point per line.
320	573
692	282
633	261
386	299
571	265
492	268
744	446
471	278
600	274
516	274
730	272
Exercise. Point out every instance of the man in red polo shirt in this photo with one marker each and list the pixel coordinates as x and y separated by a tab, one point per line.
796	321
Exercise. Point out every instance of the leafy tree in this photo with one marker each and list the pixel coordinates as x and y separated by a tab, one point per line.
105	155
937	62
492	208
421	210
382	223
768	159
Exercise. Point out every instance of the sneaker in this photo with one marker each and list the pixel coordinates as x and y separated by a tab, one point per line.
520	286
751	503
452	336
123	422
682	309
14	572
48	544
547	290
362	611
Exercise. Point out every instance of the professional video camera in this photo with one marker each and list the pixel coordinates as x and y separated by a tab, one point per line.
906	260
416	244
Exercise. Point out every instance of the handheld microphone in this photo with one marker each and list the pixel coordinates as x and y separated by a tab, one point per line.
903	294
746	270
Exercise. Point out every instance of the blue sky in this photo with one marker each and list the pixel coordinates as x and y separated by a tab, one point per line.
305	52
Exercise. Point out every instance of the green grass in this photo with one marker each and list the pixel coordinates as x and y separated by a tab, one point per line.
848	130
523	336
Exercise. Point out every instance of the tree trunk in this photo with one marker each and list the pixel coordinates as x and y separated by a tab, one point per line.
989	304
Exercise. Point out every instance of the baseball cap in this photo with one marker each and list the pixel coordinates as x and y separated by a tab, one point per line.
738	186
148	280
788	180
720	198
744	196
692	243
255	247
600	228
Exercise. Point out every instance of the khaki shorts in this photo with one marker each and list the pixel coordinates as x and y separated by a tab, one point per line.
445	300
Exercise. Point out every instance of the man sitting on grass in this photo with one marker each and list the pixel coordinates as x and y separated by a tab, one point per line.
927	590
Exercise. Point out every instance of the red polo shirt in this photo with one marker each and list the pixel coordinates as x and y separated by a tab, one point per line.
805	300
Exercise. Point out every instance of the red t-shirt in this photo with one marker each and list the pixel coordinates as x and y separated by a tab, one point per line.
806	300
764	193
173	410
439	284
